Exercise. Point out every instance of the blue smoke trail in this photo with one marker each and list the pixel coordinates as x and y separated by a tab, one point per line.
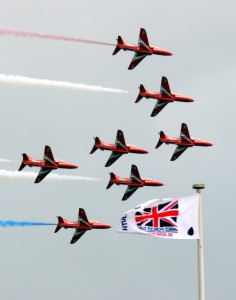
11	223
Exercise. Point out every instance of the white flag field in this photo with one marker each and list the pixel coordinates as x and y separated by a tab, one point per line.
175	218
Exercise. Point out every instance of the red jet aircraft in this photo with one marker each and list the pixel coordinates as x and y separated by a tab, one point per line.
183	142
141	50
80	226
118	149
163	98
47	164
134	182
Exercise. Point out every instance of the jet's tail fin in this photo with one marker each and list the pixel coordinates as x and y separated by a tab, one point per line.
25	158
141	90
119	43
60	220
112	177
162	136
95	147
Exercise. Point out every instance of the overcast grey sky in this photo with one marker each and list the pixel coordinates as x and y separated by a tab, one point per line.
106	265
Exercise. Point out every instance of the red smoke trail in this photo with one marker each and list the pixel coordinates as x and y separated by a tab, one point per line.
7	31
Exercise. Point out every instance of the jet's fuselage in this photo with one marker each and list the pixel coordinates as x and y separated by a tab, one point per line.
153	50
55	165
74	224
177	141
144	182
158	96
112	147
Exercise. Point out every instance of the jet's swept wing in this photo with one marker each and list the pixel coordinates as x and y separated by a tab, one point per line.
113	157
82	221
134	176
143	43
178	151
165	89
119	145
48	156
158	107
184	138
129	191
82	218
184	134
120	141
42	174
138	57
77	235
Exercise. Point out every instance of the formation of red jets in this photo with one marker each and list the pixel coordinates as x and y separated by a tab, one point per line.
119	148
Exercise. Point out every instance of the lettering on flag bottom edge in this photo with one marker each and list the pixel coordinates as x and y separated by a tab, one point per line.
145	233
158	229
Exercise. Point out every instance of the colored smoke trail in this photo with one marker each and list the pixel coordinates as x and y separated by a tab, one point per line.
7	31
5	174
11	223
26	81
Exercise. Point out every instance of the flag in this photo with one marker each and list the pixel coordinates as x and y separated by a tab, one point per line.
175	218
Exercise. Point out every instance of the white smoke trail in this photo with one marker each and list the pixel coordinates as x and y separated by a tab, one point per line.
6	174
8	160
26	81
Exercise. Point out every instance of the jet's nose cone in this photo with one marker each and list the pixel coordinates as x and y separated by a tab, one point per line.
157	183
209	144
107	226
74	166
165	52
187	99
143	151
161	51
168	53
104	226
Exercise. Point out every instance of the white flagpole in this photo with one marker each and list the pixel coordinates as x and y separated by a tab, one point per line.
198	188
